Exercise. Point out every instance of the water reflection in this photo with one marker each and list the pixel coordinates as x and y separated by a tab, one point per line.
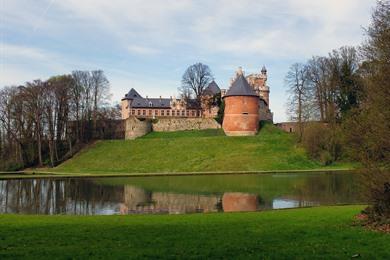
174	195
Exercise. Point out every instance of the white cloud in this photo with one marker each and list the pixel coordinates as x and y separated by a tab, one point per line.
20	64
11	75
143	50
10	51
237	27
140	36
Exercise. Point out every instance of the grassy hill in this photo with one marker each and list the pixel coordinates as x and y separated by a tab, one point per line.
193	151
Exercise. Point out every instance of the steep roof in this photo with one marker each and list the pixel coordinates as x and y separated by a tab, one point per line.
212	89
140	102
240	87
160	103
152	102
132	94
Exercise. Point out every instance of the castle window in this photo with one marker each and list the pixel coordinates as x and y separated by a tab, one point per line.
150	112
162	112
182	113
133	112
193	113
139	112
187	113
144	112
156	112
168	112
150	104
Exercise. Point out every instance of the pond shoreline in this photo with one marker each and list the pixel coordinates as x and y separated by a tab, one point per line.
44	174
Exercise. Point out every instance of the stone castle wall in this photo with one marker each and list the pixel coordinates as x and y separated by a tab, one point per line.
290	127
181	124
136	128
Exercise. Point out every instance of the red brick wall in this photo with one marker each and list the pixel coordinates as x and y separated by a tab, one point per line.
241	115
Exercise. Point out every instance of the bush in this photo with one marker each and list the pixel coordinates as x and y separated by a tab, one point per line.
10	166
322	142
377	184
325	158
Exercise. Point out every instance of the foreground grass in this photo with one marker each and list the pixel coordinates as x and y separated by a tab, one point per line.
324	232
194	151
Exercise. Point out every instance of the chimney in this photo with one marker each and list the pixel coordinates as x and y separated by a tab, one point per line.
264	71
239	71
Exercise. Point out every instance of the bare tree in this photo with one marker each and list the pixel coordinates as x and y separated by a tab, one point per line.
33	95
297	83
318	80
195	79
100	93
40	119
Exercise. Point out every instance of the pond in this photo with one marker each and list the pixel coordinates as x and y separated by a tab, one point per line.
177	194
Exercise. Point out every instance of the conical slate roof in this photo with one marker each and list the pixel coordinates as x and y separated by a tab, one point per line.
212	89
240	87
132	94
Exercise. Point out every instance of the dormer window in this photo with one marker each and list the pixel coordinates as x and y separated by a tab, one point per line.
150	104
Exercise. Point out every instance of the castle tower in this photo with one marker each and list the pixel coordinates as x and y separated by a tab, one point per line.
127	101
241	115
259	84
264	89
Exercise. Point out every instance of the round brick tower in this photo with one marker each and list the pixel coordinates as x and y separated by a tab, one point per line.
241	116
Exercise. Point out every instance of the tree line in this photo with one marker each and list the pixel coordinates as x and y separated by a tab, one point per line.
347	92
347	95
44	122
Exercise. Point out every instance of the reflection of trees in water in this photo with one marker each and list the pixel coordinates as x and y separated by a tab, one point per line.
328	189
53	196
83	196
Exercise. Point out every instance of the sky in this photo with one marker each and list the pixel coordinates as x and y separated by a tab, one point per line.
147	45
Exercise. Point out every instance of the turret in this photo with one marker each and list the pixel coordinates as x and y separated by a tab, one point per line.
241	115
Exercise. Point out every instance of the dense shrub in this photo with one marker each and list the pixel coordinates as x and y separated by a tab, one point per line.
377	184
322	142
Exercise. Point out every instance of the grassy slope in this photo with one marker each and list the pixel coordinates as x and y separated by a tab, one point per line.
193	151
324	232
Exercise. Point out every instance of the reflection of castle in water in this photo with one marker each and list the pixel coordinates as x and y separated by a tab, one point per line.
137	200
88	197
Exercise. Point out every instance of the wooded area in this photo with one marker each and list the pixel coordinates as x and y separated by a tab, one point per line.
45	122
347	94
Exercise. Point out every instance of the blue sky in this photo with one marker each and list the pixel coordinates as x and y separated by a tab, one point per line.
149	44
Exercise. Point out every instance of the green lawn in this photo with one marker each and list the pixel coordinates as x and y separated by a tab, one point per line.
311	233
194	151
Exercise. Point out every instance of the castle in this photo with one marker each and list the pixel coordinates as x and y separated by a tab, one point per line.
133	104
246	103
